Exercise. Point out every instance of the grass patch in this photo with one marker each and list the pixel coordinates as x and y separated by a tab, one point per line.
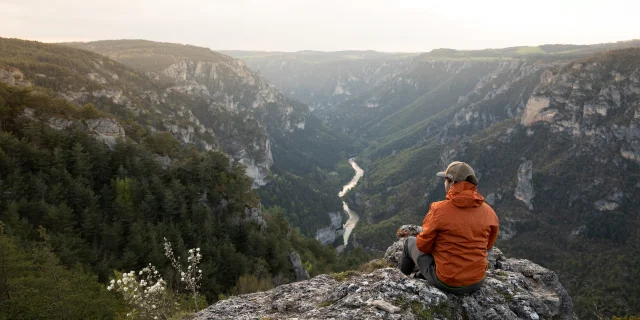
427	313
422	312
526	51
325	304
507	297
374	265
344	276
401	302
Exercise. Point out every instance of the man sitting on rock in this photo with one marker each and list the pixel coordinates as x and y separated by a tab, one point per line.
451	250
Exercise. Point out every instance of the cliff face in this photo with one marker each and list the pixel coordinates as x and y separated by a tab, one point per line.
596	100
514	289
229	100
202	97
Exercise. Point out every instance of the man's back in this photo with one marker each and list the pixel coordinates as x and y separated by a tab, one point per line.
458	232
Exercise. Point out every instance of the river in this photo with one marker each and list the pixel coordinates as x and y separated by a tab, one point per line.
353	216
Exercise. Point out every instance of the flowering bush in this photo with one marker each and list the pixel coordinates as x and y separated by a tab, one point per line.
192	276
147	293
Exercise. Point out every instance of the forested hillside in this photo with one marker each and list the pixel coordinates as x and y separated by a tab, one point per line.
301	153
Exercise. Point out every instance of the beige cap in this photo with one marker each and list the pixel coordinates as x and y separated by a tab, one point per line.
457	171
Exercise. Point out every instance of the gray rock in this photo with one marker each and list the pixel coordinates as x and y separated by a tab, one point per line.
106	130
524	190
164	161
255	215
13	76
383	305
301	272
329	234
514	289
59	124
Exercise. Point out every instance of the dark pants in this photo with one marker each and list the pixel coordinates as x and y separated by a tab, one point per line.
411	257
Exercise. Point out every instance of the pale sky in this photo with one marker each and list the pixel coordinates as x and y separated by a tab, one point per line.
327	25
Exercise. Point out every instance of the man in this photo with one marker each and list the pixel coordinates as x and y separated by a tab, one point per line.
451	250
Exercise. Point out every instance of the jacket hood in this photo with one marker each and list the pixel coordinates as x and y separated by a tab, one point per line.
465	195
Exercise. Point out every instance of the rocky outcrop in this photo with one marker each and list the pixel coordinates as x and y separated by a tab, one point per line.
231	90
254	215
594	100
329	234
524	189
257	167
514	289
59	124
13	76
298	268
163	161
533	111
106	130
117	96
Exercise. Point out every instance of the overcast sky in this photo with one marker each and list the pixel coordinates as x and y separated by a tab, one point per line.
329	25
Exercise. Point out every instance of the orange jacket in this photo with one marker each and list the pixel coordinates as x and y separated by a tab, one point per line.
458	232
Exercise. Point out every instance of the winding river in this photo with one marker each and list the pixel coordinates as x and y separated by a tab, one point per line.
353	216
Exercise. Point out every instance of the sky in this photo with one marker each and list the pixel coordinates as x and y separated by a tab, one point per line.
326	25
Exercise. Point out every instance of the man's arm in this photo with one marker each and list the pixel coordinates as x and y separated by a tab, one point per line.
427	238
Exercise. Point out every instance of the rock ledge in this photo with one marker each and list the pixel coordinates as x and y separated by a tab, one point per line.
514	289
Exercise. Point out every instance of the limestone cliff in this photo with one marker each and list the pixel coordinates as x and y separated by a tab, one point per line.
595	100
206	99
